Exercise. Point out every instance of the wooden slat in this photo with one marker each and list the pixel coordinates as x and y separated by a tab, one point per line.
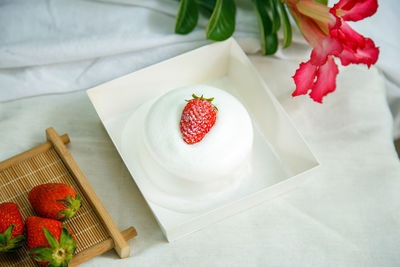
100	248
121	246
30	153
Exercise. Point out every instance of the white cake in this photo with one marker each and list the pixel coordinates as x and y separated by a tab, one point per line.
193	171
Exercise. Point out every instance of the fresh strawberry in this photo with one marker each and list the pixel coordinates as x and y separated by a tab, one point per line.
55	201
198	116
49	241
11	227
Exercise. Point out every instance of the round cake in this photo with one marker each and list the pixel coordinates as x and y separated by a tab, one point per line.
179	169
208	165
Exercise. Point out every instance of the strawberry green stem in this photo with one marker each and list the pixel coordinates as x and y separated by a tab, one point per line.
9	244
59	254
203	98
72	206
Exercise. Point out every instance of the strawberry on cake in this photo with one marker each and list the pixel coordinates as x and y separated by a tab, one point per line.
198	117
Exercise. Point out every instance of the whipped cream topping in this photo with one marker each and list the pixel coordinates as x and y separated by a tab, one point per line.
220	154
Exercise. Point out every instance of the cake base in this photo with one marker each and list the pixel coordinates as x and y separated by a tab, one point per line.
164	188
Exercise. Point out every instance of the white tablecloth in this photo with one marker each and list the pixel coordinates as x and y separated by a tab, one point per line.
347	214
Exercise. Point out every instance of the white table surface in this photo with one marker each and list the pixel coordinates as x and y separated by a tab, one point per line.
346	214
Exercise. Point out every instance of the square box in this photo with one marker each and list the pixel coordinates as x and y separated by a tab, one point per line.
280	155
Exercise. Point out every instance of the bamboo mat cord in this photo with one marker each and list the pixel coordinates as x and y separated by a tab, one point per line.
100	248
31	153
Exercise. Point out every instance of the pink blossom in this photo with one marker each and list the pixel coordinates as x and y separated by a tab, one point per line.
330	36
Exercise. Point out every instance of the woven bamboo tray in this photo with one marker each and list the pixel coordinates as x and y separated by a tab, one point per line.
93	227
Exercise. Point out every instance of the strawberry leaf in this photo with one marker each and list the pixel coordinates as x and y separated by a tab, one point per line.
72	206
64	237
67	241
42	254
50	238
6	243
18	239
3	240
65	202
8	232
59	254
70	198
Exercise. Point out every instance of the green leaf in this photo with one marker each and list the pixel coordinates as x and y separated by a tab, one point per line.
287	27
3	240
64	237
59	254
18	239
42	253
276	19
72	248
222	22
67	240
72	206
8	232
269	38
324	2
188	15
65	202
6	243
50	238
36	250
70	198
271	44
206	6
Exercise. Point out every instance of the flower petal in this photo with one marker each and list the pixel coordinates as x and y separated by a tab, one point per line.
304	78
310	30
328	46
354	10
367	55
316	11
347	36
326	81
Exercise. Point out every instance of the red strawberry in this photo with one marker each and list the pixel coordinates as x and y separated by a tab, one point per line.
55	201
11	227
49	241
197	118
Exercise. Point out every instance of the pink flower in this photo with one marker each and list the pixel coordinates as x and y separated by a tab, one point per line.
330	36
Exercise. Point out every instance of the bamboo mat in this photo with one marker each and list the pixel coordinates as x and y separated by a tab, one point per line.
47	167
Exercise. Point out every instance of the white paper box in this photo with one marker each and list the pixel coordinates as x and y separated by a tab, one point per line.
280	155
